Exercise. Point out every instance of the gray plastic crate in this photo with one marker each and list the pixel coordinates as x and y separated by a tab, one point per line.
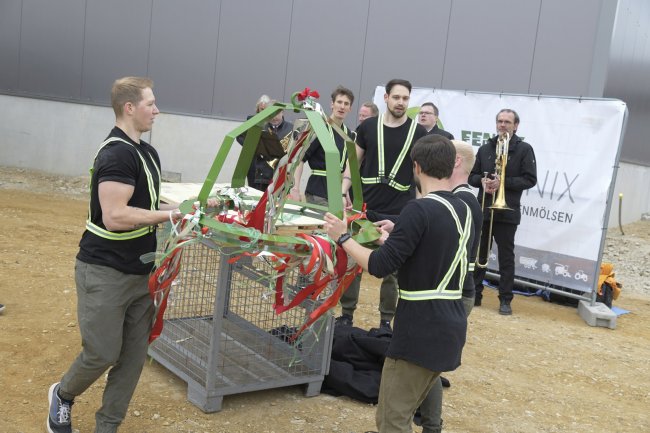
222	336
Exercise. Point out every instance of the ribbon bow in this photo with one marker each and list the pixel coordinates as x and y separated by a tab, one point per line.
308	93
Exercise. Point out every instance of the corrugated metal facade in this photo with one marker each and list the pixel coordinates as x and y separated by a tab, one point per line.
214	58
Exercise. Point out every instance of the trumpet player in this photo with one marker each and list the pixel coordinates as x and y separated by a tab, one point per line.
276	132
505	167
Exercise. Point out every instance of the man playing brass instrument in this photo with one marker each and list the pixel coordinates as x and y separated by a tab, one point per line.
272	146
520	174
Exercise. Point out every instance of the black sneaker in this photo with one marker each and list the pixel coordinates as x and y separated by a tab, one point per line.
477	302
505	309
385	324
59	419
2	308
343	320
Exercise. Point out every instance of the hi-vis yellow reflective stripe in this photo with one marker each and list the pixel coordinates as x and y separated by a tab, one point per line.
344	155
153	194
459	261
470	267
124	236
390	179
463	189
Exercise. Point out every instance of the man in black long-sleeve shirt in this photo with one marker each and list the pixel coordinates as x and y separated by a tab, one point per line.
428	248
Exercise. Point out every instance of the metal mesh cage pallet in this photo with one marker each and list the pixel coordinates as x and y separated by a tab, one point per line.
222	336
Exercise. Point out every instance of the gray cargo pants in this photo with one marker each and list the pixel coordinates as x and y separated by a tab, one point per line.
115	314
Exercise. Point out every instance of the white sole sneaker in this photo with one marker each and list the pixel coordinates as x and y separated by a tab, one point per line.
50	395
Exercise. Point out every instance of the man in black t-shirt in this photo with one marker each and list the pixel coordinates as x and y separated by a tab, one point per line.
113	303
429	249
316	190
383	150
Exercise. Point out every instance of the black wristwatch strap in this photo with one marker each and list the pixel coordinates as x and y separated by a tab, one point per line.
344	237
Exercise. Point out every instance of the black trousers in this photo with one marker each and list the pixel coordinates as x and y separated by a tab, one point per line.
504	236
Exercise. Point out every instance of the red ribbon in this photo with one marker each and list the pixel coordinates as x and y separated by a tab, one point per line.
160	281
256	217
308	93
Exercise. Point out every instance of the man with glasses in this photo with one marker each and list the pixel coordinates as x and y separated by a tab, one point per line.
520	175
428	117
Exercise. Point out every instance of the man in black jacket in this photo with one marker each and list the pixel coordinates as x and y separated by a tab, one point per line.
275	135
520	175
428	117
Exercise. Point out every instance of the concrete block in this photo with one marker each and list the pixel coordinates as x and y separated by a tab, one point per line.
597	315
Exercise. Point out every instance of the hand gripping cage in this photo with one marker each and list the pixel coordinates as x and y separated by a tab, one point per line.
244	307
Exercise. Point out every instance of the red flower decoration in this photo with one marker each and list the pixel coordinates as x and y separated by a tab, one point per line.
307	93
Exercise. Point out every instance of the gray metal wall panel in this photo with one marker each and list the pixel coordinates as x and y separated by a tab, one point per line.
9	44
183	54
627	77
405	40
602	46
51	48
116	44
491	45
562	62
328	51
252	55
217	61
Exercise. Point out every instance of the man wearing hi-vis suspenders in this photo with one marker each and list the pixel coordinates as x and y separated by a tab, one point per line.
114	308
383	150
316	189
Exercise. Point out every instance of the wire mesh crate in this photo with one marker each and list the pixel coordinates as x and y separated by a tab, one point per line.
222	336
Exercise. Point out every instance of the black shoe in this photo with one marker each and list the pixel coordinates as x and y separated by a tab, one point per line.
505	309
343	320
445	382
477	302
385	324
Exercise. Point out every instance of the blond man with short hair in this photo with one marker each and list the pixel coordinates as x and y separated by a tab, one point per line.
114	308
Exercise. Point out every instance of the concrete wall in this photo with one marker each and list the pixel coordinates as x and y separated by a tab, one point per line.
62	138
632	181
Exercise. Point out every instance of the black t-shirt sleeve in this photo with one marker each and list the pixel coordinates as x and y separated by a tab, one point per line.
420	131
401	243
117	163
311	150
362	133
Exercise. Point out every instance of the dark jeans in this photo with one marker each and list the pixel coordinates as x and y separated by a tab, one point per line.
387	297
504	236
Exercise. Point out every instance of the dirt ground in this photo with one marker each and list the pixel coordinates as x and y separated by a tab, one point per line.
541	370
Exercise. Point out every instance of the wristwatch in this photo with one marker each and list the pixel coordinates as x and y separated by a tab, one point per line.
344	237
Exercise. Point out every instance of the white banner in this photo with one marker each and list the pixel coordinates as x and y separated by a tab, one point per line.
576	144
